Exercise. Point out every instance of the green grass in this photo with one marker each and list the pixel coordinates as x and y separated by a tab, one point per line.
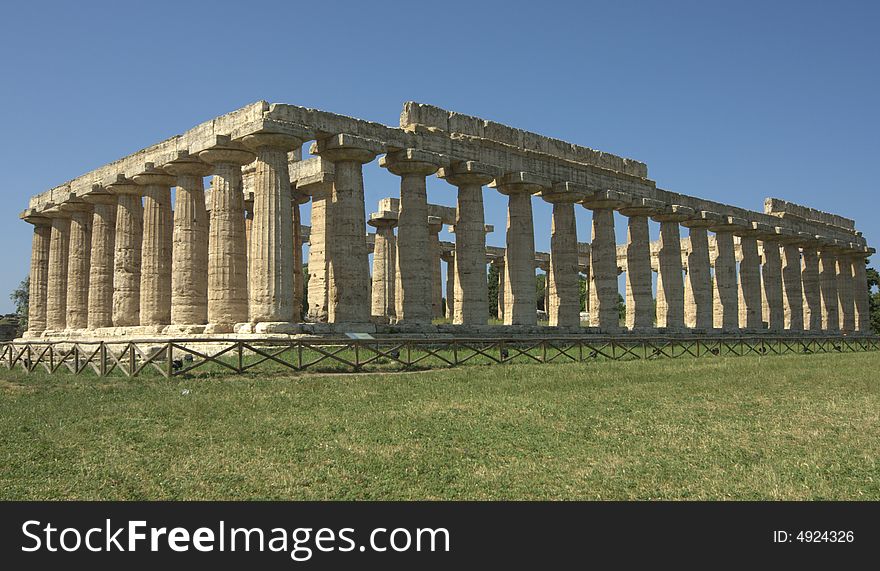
790	427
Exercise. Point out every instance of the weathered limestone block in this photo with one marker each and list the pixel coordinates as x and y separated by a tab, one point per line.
156	251
415	303
470	294
270	248
127	258
603	260
227	239
828	288
189	276
639	294
698	287
39	276
78	264
812	290
670	277
846	309
434	227
562	291
749	284
384	264
792	287
103	249
348	269
56	298
520	303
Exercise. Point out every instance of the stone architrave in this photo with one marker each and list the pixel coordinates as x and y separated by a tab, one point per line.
470	289
227	237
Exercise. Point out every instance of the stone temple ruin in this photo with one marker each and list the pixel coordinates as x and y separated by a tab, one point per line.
114	258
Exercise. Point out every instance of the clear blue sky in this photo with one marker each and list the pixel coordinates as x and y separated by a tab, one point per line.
730	101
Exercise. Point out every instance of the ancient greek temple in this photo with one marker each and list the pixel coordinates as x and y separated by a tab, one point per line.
113	257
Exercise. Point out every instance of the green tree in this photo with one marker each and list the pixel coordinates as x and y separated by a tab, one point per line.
493	278
20	298
540	291
305	298
874	298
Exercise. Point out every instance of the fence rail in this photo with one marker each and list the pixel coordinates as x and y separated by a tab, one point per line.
170	358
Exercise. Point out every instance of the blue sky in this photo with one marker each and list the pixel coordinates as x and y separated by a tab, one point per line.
731	101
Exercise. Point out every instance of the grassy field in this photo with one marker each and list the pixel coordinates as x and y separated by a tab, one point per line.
790	427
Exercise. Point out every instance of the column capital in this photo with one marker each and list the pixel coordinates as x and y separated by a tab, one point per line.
345	147
227	151
564	192
754	230
35	217
75	204
383	218
607	199
99	195
703	219
730	224
435	224
487	228
642	207
411	162
187	165
467	172
673	213
123	185
516	182
53	211
283	141
153	176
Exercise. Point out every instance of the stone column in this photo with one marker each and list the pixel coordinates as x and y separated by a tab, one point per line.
562	294
603	260
102	252
520	303
670	277
845	292
384	264
348	271
39	276
750	304
156	251
499	263
771	276
698	310
248	219
639	294
828	287
812	291
470	294
227	237
56	297
416	302
297	198
860	291
127	258
435	224
792	287
189	275
319	253
449	258
78	262
726	309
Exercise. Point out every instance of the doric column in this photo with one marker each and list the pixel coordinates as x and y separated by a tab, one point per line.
639	294
860	291
248	218
670	277
348	266
78	262
449	258
470	294
828	286
127	258
499	263
384	264
435	224
726	308
415	297
812	289
520	304
156	251
39	275
189	275
603	260
297	199
102	253
845	291
750	305
771	274
562	293
227	237
698	310
319	259
792	287
56	297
